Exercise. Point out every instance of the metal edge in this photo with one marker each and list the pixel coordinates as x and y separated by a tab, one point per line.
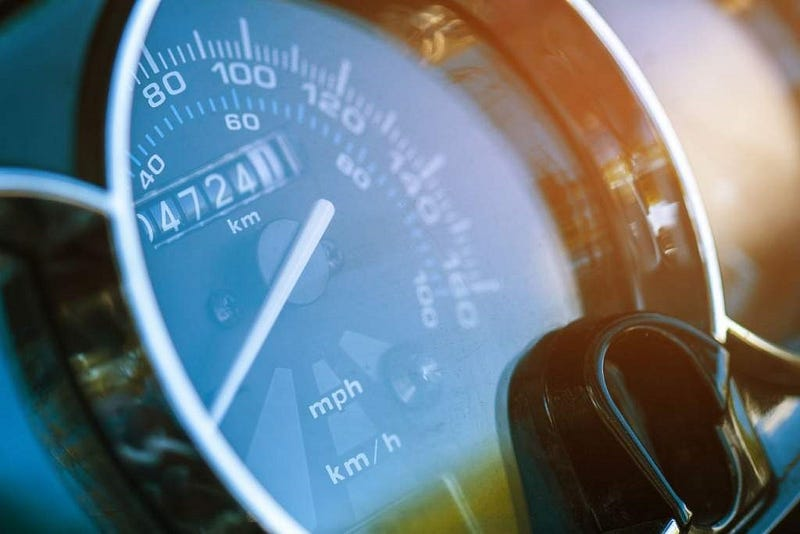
763	346
693	201
35	184
721	324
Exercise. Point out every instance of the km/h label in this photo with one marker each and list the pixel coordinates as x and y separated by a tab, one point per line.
385	443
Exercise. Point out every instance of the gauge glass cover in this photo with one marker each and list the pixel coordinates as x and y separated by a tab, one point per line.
347	253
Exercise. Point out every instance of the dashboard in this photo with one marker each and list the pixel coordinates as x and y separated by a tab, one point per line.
327	266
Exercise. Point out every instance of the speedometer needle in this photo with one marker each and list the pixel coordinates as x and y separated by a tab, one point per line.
303	248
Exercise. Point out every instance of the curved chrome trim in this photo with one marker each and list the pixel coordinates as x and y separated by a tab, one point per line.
36	184
721	324
694	203
764	359
762	345
179	390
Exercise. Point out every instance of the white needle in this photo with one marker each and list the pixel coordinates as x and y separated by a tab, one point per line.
303	248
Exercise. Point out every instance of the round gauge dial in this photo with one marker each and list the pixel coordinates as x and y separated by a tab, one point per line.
347	253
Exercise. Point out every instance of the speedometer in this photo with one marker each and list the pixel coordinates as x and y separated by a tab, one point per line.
322	245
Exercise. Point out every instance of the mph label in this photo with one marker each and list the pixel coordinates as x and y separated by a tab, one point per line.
336	400
365	460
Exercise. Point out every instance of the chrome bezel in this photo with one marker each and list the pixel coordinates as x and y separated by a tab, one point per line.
691	190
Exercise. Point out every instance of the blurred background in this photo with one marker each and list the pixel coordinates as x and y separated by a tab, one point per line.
33	497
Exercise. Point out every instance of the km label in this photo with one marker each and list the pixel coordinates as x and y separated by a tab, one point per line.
237	226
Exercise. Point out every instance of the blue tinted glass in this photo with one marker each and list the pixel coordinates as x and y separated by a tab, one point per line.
272	138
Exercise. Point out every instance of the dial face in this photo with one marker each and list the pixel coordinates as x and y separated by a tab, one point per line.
347	252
